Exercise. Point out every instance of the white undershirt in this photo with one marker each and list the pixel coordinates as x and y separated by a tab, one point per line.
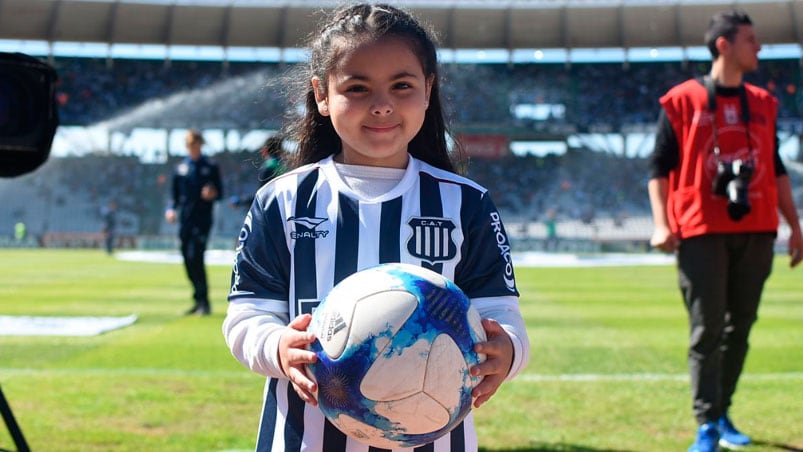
369	182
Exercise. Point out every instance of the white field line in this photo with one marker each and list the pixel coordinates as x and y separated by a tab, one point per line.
646	377
523	378
521	259
131	372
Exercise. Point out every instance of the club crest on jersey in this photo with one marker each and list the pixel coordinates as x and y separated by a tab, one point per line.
306	228
183	169
431	239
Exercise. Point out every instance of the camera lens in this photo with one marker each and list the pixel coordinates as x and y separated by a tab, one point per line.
722	178
28	113
737	211
739	190
17	103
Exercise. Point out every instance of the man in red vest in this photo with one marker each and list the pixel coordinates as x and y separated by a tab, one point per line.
716	185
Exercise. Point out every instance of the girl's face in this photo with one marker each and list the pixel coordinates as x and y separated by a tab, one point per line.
377	96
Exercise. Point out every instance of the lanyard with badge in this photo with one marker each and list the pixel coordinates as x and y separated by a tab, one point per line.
732	179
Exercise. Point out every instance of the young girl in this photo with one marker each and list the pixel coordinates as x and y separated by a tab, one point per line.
373	183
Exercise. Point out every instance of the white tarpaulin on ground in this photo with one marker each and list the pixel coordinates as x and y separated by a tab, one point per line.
19	325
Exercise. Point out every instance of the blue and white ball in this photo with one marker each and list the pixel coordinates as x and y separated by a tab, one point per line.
395	344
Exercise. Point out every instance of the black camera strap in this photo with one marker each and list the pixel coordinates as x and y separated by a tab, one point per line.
710	86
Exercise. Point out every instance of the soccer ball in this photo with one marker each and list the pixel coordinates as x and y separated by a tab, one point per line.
394	346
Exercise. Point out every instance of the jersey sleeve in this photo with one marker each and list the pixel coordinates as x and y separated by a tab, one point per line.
505	310
262	262
485	273
486	266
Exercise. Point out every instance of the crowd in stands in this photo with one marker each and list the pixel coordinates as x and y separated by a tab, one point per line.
206	94
598	96
579	184
67	194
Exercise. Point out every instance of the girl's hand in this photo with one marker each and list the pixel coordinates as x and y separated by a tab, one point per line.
498	350
293	355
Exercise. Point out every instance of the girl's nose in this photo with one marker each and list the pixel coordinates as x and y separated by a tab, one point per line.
381	106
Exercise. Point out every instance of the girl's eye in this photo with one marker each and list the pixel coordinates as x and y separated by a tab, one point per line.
356	89
402	85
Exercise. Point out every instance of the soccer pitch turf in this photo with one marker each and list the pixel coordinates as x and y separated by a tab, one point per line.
607	369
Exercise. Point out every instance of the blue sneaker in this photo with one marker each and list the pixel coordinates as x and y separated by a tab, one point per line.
729	437
707	438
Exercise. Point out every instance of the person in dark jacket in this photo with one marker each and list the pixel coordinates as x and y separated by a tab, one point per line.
195	188
109	214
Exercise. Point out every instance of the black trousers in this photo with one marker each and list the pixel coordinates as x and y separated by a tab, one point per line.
721	277
193	246
109	241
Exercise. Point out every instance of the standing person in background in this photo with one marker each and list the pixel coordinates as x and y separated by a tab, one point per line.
195	188
20	233
271	166
109	215
551	230
373	183
717	183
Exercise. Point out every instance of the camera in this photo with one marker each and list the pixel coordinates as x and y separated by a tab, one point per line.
28	113
733	181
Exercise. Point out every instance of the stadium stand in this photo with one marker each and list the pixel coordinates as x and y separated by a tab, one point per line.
595	196
251	95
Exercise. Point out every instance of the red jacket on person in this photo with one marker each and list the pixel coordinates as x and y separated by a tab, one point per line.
692	207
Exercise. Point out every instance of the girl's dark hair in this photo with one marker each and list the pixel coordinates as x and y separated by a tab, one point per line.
273	146
724	25
348	26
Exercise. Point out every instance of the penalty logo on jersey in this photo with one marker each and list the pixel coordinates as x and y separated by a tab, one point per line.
306	228
431	239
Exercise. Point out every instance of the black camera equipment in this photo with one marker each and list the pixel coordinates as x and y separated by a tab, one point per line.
732	179
28	113
11	423
28	121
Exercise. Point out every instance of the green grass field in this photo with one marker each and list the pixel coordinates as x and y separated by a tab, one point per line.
607	372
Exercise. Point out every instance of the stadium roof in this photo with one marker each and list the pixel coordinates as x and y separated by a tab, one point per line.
466	24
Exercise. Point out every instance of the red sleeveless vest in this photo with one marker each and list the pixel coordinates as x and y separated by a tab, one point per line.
692	207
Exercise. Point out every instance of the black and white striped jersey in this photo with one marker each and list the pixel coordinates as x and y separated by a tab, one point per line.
307	230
